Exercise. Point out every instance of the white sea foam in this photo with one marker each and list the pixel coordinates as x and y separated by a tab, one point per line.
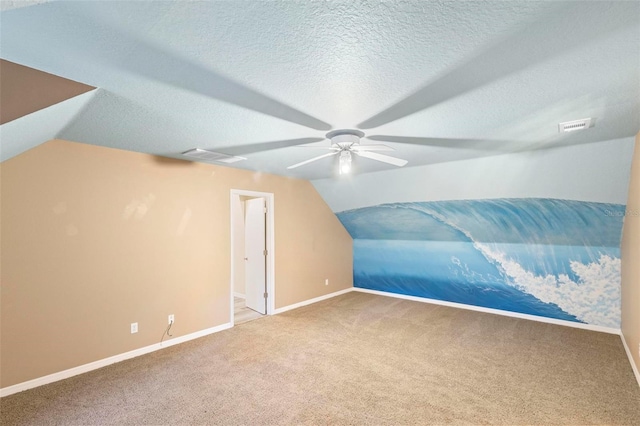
594	298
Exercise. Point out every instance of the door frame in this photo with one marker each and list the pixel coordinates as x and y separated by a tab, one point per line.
235	195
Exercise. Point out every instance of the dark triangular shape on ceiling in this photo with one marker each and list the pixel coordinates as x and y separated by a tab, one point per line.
24	90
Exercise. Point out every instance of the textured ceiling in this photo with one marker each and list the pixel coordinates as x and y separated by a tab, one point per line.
24	133
437	81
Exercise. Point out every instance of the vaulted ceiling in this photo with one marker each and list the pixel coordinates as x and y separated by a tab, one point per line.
435	80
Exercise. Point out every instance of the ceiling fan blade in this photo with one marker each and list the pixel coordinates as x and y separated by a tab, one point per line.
265	146
312	160
361	148
331	148
513	54
381	157
142	58
477	144
170	68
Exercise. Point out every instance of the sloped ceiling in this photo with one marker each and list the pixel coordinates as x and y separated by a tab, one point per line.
28	132
436	80
35	107
597	172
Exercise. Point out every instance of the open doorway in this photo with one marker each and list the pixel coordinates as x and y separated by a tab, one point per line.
252	255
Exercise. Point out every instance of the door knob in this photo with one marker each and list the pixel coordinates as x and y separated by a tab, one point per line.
246	258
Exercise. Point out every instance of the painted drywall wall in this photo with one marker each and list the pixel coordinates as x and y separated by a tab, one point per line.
553	258
94	239
535	233
630	263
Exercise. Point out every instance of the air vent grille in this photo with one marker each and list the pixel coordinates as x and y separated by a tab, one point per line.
572	126
204	155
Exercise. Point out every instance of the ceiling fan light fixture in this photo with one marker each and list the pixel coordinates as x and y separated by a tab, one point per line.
346	143
345	162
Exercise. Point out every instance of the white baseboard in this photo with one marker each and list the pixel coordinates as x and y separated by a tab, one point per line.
494	311
634	367
9	390
239	295
314	300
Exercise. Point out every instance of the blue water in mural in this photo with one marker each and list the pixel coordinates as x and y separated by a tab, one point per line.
547	257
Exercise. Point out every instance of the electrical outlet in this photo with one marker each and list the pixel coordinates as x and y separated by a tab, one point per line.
171	319
134	327
326	281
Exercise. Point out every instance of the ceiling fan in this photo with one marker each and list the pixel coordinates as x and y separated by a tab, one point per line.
345	143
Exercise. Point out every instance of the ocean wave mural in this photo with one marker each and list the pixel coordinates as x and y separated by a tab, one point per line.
553	258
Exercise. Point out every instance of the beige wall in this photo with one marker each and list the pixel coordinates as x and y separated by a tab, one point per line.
95	238
631	262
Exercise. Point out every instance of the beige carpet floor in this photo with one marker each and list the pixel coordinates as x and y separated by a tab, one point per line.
356	359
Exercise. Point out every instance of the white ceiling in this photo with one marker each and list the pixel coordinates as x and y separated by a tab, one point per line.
469	79
32	130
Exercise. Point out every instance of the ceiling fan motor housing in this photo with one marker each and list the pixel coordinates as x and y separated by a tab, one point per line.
345	138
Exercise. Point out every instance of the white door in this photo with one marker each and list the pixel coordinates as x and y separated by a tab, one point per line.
255	255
